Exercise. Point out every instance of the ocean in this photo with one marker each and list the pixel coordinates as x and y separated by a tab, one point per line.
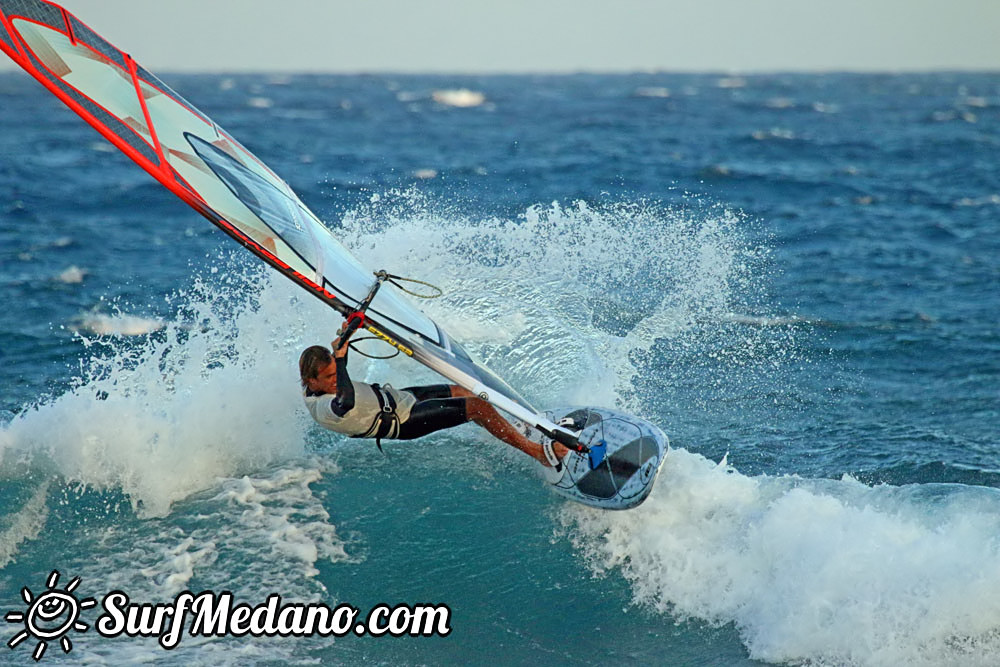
796	276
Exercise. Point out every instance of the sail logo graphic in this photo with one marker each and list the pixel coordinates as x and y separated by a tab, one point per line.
50	616
384	337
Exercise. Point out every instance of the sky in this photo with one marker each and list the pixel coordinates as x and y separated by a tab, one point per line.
488	36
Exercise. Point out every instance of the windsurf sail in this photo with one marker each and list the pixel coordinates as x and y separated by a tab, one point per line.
190	155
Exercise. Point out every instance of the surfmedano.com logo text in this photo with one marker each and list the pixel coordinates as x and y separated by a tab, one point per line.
52	615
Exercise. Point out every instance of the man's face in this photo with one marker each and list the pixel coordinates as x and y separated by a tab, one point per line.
326	379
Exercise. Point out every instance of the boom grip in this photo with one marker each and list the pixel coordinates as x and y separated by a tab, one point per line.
567	439
354	322
357	318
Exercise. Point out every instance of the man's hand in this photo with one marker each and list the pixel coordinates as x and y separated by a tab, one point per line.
345	342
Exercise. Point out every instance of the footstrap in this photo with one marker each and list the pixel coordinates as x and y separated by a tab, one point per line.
550	455
556	470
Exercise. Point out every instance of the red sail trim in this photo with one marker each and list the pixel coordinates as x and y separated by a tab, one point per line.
15	39
145	109
270	258
109	134
164	174
34	71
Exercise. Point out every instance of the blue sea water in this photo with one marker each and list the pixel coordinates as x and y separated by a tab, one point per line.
795	276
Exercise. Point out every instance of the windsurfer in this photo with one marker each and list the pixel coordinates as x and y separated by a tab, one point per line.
383	412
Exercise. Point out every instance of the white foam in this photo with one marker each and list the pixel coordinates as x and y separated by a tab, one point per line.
824	107
271	522
271	509
72	275
256	535
524	293
260	102
652	91
119	324
987	200
731	82
459	97
780	103
814	571
406	96
779	133
212	395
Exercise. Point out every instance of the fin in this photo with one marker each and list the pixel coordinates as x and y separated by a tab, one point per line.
597	454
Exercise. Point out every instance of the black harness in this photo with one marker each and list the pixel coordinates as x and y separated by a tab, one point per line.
386	423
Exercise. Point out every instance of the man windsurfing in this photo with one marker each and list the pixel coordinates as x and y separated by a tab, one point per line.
383	412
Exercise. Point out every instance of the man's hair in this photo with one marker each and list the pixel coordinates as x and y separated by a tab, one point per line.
312	359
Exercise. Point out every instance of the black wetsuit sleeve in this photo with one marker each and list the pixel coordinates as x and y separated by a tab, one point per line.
343	402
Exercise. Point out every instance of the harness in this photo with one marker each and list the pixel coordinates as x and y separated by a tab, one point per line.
386	423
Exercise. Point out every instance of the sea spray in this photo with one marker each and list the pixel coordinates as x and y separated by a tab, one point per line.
163	416
574	303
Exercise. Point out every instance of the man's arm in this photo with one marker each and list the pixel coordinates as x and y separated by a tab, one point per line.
343	401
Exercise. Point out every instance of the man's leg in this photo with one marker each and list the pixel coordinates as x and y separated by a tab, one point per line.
484	414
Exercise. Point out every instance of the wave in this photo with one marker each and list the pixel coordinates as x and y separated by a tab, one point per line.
262	532
163	416
636	305
829	572
71	275
118	324
459	97
816	571
24	524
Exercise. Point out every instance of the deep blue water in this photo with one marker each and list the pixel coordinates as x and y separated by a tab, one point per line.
796	276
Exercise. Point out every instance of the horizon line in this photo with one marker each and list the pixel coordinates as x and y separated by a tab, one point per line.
10	66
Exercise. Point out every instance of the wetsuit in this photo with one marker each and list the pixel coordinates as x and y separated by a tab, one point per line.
383	412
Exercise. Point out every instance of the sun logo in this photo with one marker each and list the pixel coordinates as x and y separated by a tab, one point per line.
50	616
